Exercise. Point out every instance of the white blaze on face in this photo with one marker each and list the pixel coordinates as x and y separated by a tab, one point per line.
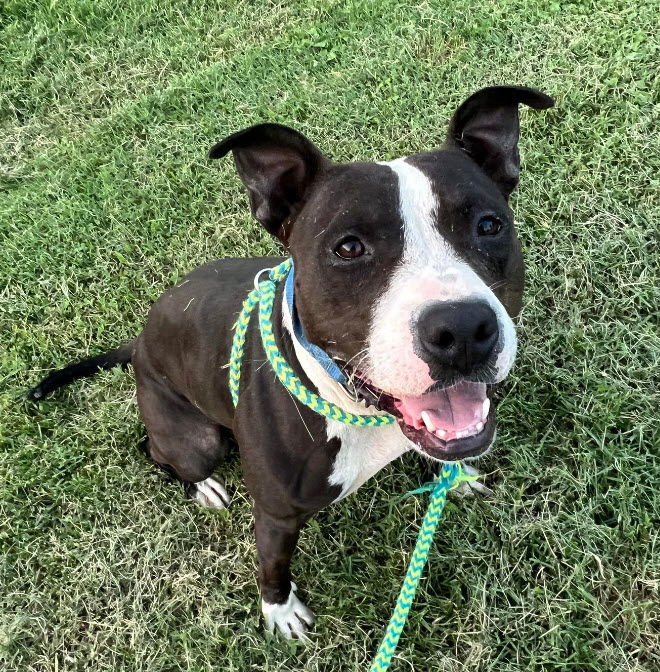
429	270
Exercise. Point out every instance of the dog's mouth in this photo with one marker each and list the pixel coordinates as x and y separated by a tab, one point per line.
445	423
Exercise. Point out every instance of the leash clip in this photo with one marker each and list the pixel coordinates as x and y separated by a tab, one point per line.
256	277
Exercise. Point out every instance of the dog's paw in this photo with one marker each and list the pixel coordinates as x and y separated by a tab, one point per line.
211	493
471	488
292	618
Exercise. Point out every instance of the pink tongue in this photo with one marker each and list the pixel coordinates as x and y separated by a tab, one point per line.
452	409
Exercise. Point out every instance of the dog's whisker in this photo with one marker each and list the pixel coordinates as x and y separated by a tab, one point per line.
295	405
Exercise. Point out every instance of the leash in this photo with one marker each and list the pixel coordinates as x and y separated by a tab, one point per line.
451	475
264	295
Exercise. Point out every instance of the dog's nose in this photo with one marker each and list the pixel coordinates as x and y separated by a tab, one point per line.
456	335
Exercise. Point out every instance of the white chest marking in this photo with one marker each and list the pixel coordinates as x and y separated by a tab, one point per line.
364	451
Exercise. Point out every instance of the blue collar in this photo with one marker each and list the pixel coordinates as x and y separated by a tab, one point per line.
321	356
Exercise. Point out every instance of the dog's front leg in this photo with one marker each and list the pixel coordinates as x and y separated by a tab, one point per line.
276	542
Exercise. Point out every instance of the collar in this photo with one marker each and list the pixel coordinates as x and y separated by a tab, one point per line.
321	356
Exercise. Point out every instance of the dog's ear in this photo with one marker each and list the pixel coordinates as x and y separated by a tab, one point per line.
486	127
277	165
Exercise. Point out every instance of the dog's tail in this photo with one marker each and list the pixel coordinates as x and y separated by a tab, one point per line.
85	368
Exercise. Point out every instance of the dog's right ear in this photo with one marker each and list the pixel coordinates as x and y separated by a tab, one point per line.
486	127
277	165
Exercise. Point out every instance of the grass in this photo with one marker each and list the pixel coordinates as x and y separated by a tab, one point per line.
106	111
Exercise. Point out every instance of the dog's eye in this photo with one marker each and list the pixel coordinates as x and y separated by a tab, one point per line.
489	226
350	248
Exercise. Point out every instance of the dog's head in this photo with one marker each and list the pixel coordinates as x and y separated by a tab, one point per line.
408	272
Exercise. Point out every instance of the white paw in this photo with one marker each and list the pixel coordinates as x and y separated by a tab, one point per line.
471	488
211	493
292	618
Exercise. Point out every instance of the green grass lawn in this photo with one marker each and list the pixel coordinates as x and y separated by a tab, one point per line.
107	110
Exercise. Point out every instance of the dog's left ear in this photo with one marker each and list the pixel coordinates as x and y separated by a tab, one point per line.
487	128
277	165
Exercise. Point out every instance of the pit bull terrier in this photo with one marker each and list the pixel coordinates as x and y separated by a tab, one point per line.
406	275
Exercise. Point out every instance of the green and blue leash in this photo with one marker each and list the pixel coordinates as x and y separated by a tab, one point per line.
450	477
264	295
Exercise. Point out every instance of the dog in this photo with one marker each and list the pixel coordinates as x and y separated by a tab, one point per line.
406	276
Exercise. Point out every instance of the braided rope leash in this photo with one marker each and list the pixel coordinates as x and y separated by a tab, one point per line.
264	295
451	475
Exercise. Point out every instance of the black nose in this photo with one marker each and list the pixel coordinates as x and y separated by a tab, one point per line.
456	336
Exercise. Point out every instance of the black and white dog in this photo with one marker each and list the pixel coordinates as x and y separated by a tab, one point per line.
406	276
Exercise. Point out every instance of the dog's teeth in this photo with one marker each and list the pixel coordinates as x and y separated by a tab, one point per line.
428	422
440	433
479	426
463	434
486	408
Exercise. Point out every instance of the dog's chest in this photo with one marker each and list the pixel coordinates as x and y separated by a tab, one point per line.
364	452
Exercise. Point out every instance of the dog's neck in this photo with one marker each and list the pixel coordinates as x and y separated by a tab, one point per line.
298	333
323	373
